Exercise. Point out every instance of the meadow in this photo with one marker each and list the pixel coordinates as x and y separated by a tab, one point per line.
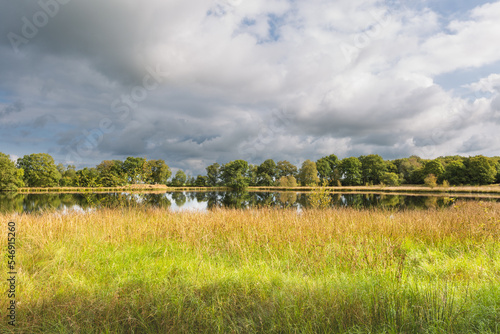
139	270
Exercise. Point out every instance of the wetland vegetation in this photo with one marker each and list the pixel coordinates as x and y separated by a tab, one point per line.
266	270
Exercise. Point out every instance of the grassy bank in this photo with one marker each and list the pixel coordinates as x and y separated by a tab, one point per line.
416	189
130	188
491	189
267	271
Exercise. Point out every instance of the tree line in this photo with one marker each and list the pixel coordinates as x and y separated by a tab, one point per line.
40	170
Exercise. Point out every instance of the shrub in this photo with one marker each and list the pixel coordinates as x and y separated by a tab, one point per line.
390	179
431	180
287	181
320	197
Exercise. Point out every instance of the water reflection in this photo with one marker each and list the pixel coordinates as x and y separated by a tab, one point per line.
13	202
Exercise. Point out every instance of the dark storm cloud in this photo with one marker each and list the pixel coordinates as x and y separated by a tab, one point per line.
15	107
476	143
105	34
374	122
42	121
174	83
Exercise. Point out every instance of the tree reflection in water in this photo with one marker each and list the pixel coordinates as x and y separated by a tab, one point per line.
15	202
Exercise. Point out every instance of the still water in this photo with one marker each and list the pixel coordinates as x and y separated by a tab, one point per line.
178	201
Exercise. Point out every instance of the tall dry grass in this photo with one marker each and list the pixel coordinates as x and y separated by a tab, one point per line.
265	270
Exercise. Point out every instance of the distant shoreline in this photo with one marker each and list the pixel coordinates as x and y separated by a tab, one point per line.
491	189
133	188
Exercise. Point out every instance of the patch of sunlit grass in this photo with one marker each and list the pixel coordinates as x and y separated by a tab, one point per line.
262	270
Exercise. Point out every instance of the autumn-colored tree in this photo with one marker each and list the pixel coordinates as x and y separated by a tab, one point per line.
308	174
431	180
287	181
156	172
286	168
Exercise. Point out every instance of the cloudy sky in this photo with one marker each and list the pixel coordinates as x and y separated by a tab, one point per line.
198	81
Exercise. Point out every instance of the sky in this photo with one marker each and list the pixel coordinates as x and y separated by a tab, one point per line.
195	82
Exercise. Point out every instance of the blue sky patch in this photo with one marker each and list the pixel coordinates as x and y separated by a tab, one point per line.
459	78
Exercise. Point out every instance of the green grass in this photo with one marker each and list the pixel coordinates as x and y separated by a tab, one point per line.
259	271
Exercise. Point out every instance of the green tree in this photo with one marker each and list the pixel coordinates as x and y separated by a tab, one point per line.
39	170
213	175
308	174
434	167
285	168
190	180
156	172
391	167
179	179
111	173
455	173
87	177
408	167
10	176
267	173
133	168
251	175
390	179
328	169
373	168
418	176
68	175
201	181
481	170
497	166
350	171
233	174
60	168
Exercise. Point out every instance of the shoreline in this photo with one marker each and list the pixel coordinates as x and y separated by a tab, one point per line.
407	190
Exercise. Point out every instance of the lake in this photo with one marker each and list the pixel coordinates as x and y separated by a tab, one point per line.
177	201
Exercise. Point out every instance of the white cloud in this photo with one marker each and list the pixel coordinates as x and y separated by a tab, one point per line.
234	64
490	84
467	44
